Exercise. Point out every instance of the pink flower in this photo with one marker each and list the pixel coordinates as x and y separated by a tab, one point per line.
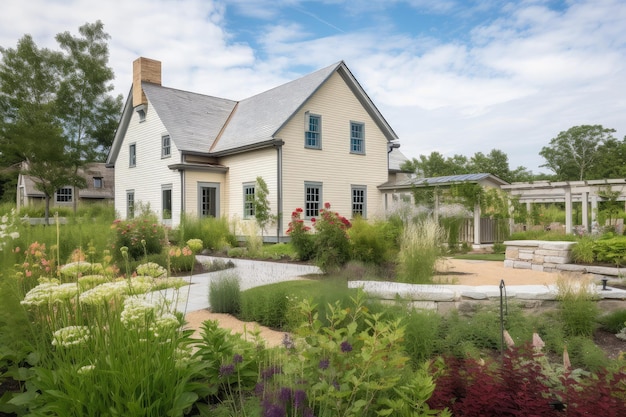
327	205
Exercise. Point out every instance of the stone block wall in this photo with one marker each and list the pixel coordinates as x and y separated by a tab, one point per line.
537	255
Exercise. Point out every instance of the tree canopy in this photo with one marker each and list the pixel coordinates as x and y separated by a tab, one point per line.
56	113
575	154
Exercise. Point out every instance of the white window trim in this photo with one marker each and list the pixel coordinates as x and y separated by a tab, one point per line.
69	195
130	214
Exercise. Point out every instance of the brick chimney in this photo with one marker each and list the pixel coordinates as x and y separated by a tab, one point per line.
144	70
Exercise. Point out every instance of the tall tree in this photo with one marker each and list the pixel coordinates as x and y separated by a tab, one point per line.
435	165
74	87
495	162
30	131
573	153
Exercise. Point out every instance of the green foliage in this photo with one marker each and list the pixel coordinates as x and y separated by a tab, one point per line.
331	241
214	232
452	226
420	248
373	242
610	250
577	306
143	235
421	335
262	205
613	322
301	238
224	293
584	353
582	252
543	235
358	373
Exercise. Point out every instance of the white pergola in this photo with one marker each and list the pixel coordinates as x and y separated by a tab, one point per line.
567	192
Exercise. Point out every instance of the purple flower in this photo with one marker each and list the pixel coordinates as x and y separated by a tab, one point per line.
259	389
227	370
288	342
346	346
299	399
272	410
237	358
284	395
267	373
324	363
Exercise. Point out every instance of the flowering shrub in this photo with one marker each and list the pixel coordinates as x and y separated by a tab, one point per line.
36	262
181	259
301	238
143	235
332	243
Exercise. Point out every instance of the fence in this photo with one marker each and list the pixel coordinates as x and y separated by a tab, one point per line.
491	230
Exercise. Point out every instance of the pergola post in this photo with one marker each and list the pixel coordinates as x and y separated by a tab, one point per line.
568	210
585	203
477	225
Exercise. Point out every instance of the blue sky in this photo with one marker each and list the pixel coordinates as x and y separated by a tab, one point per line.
452	76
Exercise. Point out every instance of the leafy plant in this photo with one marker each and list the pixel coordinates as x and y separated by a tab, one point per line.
300	235
372	242
583	251
577	306
331	240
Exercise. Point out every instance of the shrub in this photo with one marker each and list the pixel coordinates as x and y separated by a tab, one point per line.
584	353
577	306
143	235
214	232
301	238
372	242
267	306
224	294
421	335
332	243
420	249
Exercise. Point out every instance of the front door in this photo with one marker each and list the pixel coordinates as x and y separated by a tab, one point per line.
208	199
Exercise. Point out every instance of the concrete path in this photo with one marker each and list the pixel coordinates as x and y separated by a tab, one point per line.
251	274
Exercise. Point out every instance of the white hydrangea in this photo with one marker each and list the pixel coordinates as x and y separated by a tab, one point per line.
71	336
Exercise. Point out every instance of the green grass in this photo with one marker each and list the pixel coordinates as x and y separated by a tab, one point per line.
499	257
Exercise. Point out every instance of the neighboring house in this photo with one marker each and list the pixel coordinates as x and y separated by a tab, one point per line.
100	186
313	140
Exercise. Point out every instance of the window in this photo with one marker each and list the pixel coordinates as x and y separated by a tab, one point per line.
132	155
248	201
357	143
130	204
166	201
359	201
313	132
64	195
312	199
166	148
208	199
97	182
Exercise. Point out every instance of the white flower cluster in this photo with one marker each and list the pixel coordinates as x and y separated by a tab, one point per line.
8	228
151	269
71	336
183	357
90	281
74	269
50	292
142	315
108	291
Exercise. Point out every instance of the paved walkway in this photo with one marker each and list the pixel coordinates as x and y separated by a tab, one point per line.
251	274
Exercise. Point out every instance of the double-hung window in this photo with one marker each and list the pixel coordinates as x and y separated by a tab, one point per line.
359	200
64	195
166	146
313	131
312	199
357	138
248	200
132	155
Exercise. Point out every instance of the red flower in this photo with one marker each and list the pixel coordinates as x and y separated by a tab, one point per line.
298	210
327	205
312	219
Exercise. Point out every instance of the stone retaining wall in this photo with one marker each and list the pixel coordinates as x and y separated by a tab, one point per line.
547	256
466	299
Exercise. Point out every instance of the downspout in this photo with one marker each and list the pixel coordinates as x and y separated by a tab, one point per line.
279	189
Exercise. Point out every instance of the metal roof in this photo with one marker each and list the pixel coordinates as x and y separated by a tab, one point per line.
445	180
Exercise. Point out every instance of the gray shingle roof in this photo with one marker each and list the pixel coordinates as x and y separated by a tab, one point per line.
259	118
192	120
445	180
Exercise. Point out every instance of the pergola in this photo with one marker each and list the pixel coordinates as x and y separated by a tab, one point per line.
392	188
568	192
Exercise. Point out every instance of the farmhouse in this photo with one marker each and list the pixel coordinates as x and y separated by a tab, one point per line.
99	188
313	140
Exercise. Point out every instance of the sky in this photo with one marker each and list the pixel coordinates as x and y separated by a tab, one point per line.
451	76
